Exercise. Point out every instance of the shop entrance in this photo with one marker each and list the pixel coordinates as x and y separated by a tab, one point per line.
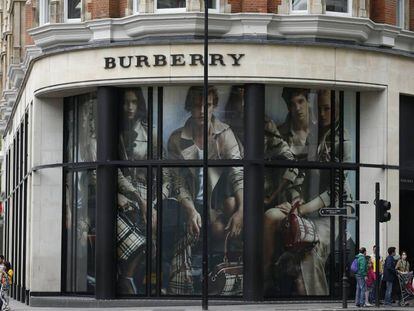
406	222
406	176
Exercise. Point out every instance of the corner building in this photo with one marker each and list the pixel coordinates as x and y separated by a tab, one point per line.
103	171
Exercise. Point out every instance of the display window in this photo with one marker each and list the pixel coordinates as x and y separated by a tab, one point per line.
163	186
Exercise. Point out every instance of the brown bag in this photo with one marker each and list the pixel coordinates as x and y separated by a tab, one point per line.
299	233
226	279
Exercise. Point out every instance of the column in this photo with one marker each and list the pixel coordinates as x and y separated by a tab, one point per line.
106	193
253	191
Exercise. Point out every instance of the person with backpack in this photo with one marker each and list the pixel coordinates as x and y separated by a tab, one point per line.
389	275
360	268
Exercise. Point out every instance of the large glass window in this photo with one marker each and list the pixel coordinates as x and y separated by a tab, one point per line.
163	184
314	126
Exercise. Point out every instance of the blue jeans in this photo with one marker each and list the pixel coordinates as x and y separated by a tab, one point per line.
388	293
360	291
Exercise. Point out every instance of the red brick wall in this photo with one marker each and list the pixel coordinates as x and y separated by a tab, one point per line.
384	11
411	15
122	7
236	6
272	5
254	6
28	22
105	9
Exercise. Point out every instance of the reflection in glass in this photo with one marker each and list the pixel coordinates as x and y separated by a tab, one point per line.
131	230
295	264
132	196
87	118
170	4
182	208
74	9
339	6
181	231
299	5
133	126
226	231
80	194
350	128
69	132
186	143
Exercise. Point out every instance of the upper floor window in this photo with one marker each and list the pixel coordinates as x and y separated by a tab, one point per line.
44	12
400	20
339	7
171	6
299	6
73	10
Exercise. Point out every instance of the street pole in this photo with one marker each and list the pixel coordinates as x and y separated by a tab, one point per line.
377	246
205	165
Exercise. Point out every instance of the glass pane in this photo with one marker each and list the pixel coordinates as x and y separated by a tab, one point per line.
296	266
132	230
80	231
340	6
226	231
170	4
350	130
182	209
183	124
133	125
86	122
74	9
299	5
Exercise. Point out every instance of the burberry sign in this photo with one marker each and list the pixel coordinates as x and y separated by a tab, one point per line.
173	60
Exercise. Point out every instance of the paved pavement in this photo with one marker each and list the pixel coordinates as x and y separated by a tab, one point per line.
309	306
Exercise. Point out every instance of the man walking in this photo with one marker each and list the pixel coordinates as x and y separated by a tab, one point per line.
389	275
360	276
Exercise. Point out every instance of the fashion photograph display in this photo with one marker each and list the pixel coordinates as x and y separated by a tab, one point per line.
299	244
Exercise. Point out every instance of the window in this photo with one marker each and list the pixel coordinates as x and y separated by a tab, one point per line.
400	13
338	7
73	10
299	6
44	12
171	6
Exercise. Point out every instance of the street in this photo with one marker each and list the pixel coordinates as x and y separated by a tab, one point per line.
309	306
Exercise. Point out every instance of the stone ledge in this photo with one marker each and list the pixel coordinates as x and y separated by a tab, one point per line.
345	28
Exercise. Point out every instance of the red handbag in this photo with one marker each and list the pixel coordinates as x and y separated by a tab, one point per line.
299	233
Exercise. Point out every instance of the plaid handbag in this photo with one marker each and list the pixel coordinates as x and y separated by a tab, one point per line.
299	233
130	237
226	279
181	275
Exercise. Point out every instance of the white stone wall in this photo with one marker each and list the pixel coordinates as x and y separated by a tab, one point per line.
46	197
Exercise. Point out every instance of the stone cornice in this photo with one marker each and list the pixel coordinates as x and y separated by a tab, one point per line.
362	31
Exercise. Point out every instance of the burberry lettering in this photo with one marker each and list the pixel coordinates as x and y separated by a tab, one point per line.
173	60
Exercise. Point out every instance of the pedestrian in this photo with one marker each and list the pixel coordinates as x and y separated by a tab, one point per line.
6	281
403	265
389	275
360	276
370	281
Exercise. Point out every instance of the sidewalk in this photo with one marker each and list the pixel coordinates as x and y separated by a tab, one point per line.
309	306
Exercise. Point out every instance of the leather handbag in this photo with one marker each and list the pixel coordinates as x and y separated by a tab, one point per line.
226	279
299	233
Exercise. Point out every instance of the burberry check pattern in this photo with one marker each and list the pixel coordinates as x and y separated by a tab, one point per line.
129	237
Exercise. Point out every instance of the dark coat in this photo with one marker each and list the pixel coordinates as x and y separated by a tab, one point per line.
389	269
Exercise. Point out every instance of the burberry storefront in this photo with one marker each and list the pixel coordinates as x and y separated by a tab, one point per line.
107	176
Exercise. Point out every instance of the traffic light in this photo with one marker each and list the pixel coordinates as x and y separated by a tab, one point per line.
383	210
